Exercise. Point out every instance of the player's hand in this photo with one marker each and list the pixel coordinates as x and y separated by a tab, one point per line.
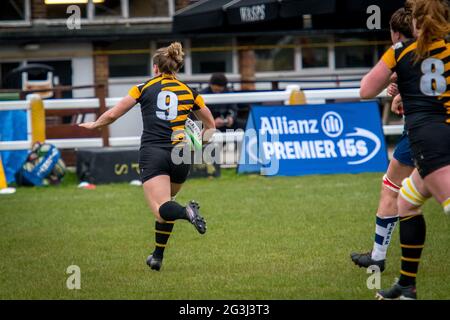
207	135
397	105
89	125
392	90
394	78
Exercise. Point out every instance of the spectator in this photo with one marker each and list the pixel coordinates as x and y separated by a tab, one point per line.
224	114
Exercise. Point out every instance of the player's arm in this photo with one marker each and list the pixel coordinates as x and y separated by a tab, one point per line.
122	107
379	77
206	117
375	81
202	112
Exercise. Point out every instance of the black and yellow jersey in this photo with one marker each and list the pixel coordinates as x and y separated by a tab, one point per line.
165	105
425	85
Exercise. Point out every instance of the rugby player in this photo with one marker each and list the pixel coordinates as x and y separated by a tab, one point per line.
423	70
165	103
400	167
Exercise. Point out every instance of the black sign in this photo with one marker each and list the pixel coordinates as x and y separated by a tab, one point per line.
109	165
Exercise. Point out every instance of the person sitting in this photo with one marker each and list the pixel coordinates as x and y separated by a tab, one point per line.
224	114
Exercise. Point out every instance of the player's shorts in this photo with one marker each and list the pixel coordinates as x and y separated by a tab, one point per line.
402	152
156	161
430	147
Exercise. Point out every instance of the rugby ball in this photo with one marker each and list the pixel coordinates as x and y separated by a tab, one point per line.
194	134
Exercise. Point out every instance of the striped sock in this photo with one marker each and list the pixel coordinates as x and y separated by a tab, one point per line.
383	234
412	240
446	206
162	235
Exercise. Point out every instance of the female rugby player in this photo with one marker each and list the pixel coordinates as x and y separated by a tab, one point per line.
400	167
165	105
423	73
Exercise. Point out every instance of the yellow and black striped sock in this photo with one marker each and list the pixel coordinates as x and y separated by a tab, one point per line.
412	240
162	235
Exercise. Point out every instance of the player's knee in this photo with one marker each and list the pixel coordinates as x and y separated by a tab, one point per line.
410	194
157	216
390	185
446	206
156	208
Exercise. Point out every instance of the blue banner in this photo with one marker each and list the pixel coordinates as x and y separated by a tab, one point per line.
314	139
13	127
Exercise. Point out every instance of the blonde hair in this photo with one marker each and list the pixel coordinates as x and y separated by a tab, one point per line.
169	59
432	22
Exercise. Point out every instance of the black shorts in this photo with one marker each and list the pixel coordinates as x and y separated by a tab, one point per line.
430	147
156	161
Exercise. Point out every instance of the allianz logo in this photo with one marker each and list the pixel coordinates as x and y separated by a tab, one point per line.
331	124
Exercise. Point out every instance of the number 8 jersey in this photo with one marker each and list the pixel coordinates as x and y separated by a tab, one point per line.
425	85
165	105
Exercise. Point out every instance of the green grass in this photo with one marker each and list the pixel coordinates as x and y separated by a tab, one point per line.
268	238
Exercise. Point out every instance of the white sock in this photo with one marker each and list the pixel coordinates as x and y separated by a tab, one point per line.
383	233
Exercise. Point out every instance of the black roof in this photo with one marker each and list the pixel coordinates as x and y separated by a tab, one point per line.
241	16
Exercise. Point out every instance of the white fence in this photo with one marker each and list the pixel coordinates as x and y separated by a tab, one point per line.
312	97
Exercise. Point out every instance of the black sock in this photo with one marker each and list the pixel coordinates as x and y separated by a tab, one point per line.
412	240
162	235
171	211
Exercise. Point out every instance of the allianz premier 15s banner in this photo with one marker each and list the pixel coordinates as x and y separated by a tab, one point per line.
314	139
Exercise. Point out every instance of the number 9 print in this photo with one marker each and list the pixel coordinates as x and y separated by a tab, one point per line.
167	103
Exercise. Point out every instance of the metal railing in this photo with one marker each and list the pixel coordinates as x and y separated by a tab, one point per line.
312	97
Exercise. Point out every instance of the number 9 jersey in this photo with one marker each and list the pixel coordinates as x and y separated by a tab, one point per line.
425	85
165	105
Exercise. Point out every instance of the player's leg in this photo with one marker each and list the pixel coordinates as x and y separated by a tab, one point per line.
414	192
174	189
387	213
413	195
164	229
178	175
438	183
159	172
157	191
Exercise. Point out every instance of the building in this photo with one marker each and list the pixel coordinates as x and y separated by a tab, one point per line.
116	38
113	41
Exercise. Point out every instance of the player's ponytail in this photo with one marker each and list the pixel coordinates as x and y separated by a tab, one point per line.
401	21
432	23
169	59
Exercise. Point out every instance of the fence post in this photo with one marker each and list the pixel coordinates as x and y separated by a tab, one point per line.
3	184
37	118
103	109
297	96
275	85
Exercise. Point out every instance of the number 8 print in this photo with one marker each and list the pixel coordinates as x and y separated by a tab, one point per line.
167	100
433	82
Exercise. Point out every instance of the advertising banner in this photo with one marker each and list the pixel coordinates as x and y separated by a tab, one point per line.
314	139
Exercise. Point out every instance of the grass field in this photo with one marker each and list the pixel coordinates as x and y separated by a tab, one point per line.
268	238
